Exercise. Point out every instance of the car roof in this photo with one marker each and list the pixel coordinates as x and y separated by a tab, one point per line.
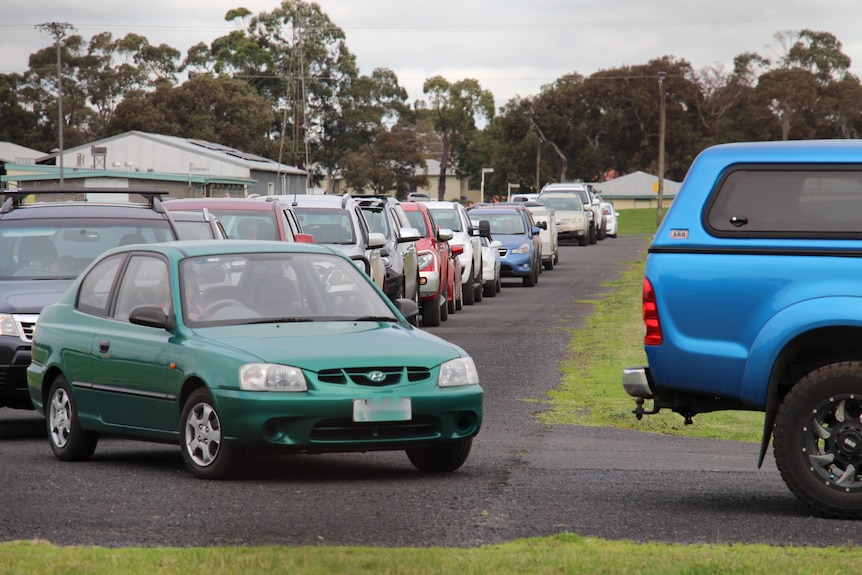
441	204
201	248
322	201
250	204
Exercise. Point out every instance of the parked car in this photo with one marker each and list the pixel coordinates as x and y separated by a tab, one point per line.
226	347
591	203
572	220
249	218
47	237
386	216
521	249
453	216
338	222
436	269
611	216
545	218
418	197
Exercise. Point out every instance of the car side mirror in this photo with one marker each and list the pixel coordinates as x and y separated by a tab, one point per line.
444	235
535	231
150	316
409	235
543	225
408	308
457	250
485	228
362	263
376	240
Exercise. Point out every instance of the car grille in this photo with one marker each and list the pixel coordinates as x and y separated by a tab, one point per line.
503	252
26	325
374	376
343	429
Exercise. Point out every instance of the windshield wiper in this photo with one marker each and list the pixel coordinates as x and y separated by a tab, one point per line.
280	320
373	318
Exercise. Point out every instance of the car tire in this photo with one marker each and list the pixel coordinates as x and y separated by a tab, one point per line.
490	290
530	279
443	459
431	314
549	265
478	293
202	439
468	295
593	235
816	442
444	310
68	441
583	240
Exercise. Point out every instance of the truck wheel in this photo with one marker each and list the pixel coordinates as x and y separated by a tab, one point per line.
468	294
818	440
593	235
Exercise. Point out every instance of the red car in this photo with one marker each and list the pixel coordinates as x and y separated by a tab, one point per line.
247	218
439	293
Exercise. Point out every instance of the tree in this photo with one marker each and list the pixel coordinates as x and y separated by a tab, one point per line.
220	110
389	162
454	109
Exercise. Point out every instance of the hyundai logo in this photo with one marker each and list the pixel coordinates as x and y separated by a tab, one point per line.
376	376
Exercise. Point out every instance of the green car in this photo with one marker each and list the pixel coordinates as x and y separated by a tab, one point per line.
232	346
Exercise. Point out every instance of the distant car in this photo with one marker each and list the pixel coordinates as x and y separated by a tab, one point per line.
521	249
418	197
47	237
591	203
436	271
611	216
338	222
249	218
524	197
573	221
194	225
385	215
226	347
545	217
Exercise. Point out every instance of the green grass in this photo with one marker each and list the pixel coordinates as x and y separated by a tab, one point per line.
564	554
590	394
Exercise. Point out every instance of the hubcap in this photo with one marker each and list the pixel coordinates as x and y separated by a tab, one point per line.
203	435
60	418
833	442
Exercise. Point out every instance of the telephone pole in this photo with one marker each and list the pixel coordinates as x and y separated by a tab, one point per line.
661	136
58	31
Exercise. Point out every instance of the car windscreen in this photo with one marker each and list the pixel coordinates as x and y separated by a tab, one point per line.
327	225
446	218
568	203
248	224
63	247
417	220
377	220
510	223
233	289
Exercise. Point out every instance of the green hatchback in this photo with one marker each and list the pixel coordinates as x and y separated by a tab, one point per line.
232	346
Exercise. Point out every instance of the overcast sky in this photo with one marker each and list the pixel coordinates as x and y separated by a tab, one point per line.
513	47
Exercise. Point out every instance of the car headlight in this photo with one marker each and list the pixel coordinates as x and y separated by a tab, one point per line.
271	377
425	260
461	371
562	222
522	249
8	325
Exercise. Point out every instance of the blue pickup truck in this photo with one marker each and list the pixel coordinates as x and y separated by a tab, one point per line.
752	300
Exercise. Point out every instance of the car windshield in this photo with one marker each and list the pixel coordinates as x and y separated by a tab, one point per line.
505	224
563	203
62	248
234	289
327	225
446	218
417	220
377	221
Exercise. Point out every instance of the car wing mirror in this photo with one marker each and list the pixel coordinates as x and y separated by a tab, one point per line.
150	316
409	235
485	228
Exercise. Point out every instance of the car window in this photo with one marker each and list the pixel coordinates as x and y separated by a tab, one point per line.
265	287
417	221
377	220
189	230
570	203
789	203
446	218
62	248
247	224
95	289
328	226
145	282
505	224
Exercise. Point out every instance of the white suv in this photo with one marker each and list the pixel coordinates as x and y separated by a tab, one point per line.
453	216
590	201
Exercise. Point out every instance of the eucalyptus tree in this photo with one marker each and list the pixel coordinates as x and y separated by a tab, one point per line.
392	160
454	109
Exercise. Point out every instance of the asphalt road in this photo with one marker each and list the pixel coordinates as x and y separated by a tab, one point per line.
522	479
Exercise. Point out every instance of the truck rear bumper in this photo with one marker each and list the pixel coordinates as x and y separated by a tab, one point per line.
636	382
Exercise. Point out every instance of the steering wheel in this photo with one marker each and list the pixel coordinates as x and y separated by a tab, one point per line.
211	309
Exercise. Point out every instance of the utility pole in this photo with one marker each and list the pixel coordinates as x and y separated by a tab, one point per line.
661	115
58	31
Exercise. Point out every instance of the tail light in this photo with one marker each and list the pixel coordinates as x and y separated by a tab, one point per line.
652	336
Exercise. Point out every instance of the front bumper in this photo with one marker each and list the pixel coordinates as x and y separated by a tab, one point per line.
14	359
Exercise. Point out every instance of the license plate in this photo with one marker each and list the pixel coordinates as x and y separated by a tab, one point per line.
382	409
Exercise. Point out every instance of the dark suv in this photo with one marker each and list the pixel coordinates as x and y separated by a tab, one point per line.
46	241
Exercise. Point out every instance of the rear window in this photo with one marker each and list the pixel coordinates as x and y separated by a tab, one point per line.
778	202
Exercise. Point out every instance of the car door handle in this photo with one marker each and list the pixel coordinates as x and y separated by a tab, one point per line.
104	346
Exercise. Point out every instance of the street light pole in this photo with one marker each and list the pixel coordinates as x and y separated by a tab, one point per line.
661	129
482	186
